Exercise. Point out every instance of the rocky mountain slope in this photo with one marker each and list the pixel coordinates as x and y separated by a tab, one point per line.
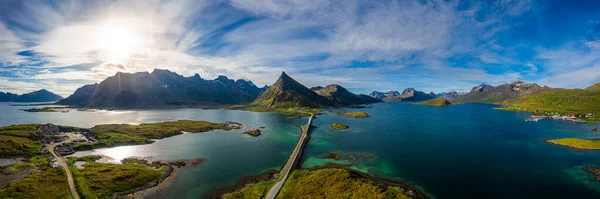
558	100
339	96
409	95
162	88
42	95
287	93
490	94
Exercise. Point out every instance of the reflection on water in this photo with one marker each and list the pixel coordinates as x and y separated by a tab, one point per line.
466	150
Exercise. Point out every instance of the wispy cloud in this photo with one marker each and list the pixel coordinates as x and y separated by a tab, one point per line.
432	45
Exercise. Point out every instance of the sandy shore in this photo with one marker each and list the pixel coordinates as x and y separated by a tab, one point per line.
156	189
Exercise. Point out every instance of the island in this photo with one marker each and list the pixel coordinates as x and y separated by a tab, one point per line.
45	109
436	102
595	171
353	114
339	126
253	132
41	171
576	143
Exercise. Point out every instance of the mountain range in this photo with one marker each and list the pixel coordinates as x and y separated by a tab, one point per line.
497	94
42	95
407	95
288	93
163	88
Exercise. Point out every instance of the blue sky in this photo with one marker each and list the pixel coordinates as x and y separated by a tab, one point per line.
362	45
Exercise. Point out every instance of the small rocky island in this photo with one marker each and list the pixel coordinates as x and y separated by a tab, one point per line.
339	126
253	132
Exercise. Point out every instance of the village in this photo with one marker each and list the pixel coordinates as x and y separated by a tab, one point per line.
537	115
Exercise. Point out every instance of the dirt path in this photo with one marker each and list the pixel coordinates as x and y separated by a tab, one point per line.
293	160
64	165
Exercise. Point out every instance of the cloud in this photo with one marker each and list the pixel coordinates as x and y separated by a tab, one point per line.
575	79
436	43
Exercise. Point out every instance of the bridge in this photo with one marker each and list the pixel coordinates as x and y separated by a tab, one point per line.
293	160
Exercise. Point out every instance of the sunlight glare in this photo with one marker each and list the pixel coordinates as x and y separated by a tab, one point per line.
119	41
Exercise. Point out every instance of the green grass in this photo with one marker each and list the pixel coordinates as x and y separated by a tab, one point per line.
126	134
98	180
339	126
14	140
436	102
18	146
354	114
562	101
334	183
577	143
134	161
51	183
19	130
252	191
36	161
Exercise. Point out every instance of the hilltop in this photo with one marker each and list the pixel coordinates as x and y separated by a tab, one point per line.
288	93
42	95
162	88
559	100
436	102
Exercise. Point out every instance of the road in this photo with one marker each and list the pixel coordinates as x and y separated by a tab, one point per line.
64	165
293	159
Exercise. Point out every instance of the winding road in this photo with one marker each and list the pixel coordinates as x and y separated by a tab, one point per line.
64	165
293	160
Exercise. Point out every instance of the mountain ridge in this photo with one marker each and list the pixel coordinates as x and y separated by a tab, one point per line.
162	88
41	95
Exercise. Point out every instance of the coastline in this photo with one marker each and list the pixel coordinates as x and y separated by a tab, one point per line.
155	188
271	175
547	140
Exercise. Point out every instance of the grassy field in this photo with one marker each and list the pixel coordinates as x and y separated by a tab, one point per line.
35	161
126	134
14	140
339	126
436	102
577	143
257	190
562	101
98	180
334	183
51	183
354	114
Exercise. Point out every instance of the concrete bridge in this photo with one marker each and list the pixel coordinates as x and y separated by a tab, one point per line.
293	160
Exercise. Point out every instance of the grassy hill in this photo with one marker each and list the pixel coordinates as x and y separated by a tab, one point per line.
436	102
288	93
579	102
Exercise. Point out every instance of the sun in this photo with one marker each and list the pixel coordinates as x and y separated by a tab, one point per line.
117	41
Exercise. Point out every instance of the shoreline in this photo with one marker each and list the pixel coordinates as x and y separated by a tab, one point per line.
270	176
154	188
548	140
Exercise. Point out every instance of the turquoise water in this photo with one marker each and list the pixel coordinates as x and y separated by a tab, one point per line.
467	150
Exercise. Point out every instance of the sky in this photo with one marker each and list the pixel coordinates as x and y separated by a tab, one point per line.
366	45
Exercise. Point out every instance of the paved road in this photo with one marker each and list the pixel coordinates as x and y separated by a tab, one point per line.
64	165
293	159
